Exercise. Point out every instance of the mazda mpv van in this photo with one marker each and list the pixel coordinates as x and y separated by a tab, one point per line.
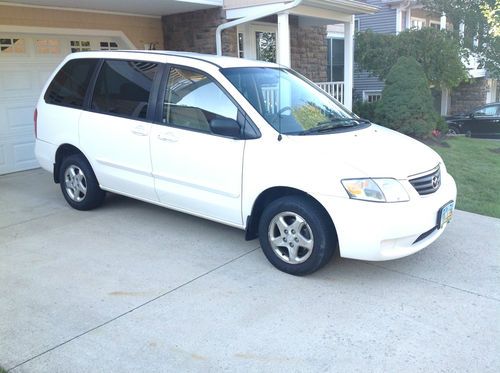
249	144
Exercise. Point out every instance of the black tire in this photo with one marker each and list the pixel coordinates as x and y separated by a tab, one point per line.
317	222
81	191
453	131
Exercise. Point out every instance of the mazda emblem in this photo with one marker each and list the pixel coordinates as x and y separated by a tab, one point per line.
435	182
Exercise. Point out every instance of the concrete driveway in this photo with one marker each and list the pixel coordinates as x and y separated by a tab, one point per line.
135	287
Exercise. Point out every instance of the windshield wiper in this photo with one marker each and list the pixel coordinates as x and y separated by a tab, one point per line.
333	124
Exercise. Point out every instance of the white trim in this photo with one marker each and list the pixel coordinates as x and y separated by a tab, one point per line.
67	31
78	10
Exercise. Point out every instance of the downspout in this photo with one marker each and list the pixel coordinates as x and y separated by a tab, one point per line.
239	21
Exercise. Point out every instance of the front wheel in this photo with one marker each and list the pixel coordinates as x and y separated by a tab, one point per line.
79	184
453	131
296	235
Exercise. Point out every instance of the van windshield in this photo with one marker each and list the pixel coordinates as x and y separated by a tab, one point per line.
289	103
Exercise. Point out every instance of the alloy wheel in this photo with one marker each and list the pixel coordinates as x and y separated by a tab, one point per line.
291	237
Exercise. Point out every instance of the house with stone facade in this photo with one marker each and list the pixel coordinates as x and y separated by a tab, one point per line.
395	16
35	35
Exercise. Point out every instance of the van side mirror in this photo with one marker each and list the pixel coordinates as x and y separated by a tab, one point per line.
225	127
471	115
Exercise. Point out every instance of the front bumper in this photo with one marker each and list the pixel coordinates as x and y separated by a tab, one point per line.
384	231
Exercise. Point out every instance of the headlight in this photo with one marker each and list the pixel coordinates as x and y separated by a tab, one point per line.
377	190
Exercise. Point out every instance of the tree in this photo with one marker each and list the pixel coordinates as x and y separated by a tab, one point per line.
481	19
406	103
439	54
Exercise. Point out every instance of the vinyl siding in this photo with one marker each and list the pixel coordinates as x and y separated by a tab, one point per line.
384	21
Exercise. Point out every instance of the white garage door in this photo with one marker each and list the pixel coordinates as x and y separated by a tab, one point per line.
26	61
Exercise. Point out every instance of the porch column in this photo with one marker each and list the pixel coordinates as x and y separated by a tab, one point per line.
442	22
445	92
283	47
348	62
408	19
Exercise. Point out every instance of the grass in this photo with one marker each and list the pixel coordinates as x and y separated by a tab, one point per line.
475	165
2	370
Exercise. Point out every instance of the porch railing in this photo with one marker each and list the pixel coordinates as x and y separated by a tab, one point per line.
335	89
270	93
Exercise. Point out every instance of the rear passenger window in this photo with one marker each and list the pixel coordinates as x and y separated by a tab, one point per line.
123	87
70	84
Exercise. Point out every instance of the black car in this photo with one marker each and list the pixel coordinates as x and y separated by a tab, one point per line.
483	121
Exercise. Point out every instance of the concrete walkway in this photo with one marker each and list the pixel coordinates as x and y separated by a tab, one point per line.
133	287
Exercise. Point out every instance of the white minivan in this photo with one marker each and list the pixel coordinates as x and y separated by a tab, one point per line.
249	144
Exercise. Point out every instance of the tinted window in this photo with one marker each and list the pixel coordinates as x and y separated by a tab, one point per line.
192	100
70	84
488	111
122	88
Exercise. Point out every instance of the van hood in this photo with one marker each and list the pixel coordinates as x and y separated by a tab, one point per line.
375	151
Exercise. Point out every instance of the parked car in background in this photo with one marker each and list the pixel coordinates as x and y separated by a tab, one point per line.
244	143
483	121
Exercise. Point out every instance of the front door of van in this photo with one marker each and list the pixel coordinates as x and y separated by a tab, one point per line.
195	170
115	133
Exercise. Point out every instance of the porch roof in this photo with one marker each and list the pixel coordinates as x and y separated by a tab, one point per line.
337	10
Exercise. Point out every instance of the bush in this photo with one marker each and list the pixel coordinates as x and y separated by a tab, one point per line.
406	104
365	109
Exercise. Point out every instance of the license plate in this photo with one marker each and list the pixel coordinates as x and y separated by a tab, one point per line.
445	213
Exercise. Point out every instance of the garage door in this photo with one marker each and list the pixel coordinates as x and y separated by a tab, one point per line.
26	61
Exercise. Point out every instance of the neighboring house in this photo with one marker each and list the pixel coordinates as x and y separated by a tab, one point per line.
35	35
395	16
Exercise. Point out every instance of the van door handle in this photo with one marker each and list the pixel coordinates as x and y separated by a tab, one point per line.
167	136
140	130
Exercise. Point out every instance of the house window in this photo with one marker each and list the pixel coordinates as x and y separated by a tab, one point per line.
80	46
436	25
12	46
372	96
356	25
417	23
48	46
108	45
241	50
335	63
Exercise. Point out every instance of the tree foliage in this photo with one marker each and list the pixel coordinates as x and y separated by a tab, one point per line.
406	103
438	53
481	19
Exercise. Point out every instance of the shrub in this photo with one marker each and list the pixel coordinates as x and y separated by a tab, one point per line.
406	103
365	109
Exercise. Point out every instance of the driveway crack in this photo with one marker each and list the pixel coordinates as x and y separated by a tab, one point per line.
134	309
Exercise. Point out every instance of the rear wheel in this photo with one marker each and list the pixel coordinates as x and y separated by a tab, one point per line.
79	184
296	235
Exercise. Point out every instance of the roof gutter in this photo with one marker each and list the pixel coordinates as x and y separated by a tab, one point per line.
236	22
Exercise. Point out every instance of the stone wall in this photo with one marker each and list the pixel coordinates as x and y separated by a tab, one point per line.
467	96
308	50
195	32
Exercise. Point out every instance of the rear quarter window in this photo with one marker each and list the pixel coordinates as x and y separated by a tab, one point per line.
69	86
123	88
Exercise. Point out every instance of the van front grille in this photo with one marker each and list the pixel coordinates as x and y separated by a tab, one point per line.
428	183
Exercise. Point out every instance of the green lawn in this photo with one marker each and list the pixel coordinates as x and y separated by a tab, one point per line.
475	165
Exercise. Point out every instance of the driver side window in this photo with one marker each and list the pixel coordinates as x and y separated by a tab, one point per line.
192	100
